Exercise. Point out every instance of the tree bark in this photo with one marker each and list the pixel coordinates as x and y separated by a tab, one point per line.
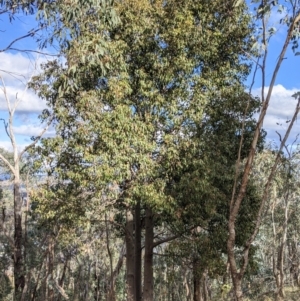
50	267
97	295
148	259
204	286
197	281
138	253
18	254
111	289
129	256
237	284
279	275
294	269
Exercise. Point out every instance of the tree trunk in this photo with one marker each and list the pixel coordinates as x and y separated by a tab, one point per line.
62	277
97	289
237	286
50	267
197	281
279	276
111	289
18	254
138	253
294	269
129	256
148	259
186	284
204	287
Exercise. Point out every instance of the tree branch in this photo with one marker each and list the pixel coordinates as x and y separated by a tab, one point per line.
267	186
7	163
37	138
33	51
164	240
5	126
30	34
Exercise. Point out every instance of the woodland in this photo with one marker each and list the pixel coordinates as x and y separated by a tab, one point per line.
159	183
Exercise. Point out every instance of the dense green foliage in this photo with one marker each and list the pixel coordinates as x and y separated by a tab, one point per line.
151	114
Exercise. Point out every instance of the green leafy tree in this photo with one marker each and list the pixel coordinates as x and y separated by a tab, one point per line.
123	133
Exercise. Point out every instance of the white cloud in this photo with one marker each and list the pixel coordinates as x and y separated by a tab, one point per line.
7	146
28	101
16	67
281	109
16	71
32	130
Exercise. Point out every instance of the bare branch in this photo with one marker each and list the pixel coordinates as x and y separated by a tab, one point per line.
267	186
36	140
26	87
34	51
5	126
235	207
14	74
7	163
30	34
238	162
5	94
164	240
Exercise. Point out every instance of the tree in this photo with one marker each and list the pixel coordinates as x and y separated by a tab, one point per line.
291	20
14	168
122	133
60	18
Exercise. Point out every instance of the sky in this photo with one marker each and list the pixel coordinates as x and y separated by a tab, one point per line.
16	68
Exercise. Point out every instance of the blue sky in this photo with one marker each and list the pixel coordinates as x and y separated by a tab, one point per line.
23	65
16	69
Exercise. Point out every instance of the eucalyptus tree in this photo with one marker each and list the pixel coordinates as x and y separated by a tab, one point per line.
122	133
290	19
56	21
202	186
279	223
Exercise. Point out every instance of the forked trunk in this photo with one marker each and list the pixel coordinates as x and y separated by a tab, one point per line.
237	286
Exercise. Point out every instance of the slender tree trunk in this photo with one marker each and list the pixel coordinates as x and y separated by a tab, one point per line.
25	289
197	281
235	275
148	259
62	277
280	258
18	253
111	289
129	256
50	267
238	196
34	293
187	286
76	285
294	269
279	274
204	287
97	296
237	285
138	252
